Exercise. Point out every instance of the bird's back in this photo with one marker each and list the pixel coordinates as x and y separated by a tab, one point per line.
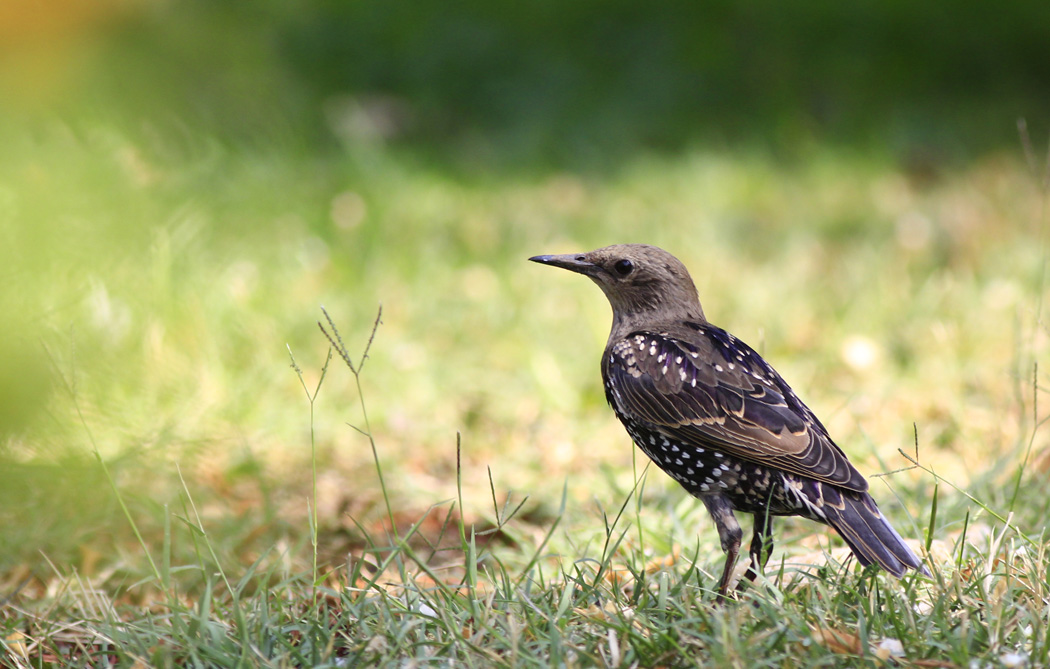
708	389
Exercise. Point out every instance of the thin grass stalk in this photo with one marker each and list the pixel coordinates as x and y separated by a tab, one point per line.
70	387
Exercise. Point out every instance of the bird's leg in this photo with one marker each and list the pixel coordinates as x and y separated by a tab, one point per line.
761	546
729	533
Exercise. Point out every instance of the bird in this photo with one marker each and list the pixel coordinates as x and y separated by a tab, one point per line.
716	417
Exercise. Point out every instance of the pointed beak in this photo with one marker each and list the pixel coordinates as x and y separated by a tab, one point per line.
573	262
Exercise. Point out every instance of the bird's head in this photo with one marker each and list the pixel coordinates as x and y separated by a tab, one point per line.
645	284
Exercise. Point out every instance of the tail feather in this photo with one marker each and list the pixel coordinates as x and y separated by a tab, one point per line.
869	535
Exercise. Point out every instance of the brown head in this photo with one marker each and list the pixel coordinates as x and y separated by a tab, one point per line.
646	285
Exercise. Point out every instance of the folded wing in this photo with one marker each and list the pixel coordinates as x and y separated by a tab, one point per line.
709	389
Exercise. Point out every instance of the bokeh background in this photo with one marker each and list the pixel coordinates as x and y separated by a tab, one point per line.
184	183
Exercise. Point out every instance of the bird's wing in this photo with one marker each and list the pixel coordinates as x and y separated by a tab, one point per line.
712	390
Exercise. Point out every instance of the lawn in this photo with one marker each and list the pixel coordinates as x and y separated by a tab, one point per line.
475	501
194	473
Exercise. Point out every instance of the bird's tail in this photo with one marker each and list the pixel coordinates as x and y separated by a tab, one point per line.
869	535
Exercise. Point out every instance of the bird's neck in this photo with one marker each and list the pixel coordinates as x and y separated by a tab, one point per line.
626	322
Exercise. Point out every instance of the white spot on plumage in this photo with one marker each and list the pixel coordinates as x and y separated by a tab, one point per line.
674	448
718	368
681	373
695	354
678	359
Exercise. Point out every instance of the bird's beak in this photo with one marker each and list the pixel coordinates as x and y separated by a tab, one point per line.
573	262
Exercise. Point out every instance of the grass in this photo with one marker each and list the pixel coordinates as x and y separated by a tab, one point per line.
171	494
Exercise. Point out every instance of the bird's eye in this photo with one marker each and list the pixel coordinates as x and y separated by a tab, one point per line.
623	267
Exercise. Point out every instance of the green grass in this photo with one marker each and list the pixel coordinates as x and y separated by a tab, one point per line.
488	508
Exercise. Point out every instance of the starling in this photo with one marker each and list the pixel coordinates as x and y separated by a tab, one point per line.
716	417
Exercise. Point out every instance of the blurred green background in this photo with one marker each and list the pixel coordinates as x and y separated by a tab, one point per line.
578	85
184	183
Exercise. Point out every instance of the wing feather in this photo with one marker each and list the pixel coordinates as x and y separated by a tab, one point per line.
707	388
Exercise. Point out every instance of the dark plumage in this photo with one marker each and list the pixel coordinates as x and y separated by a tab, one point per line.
716	417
